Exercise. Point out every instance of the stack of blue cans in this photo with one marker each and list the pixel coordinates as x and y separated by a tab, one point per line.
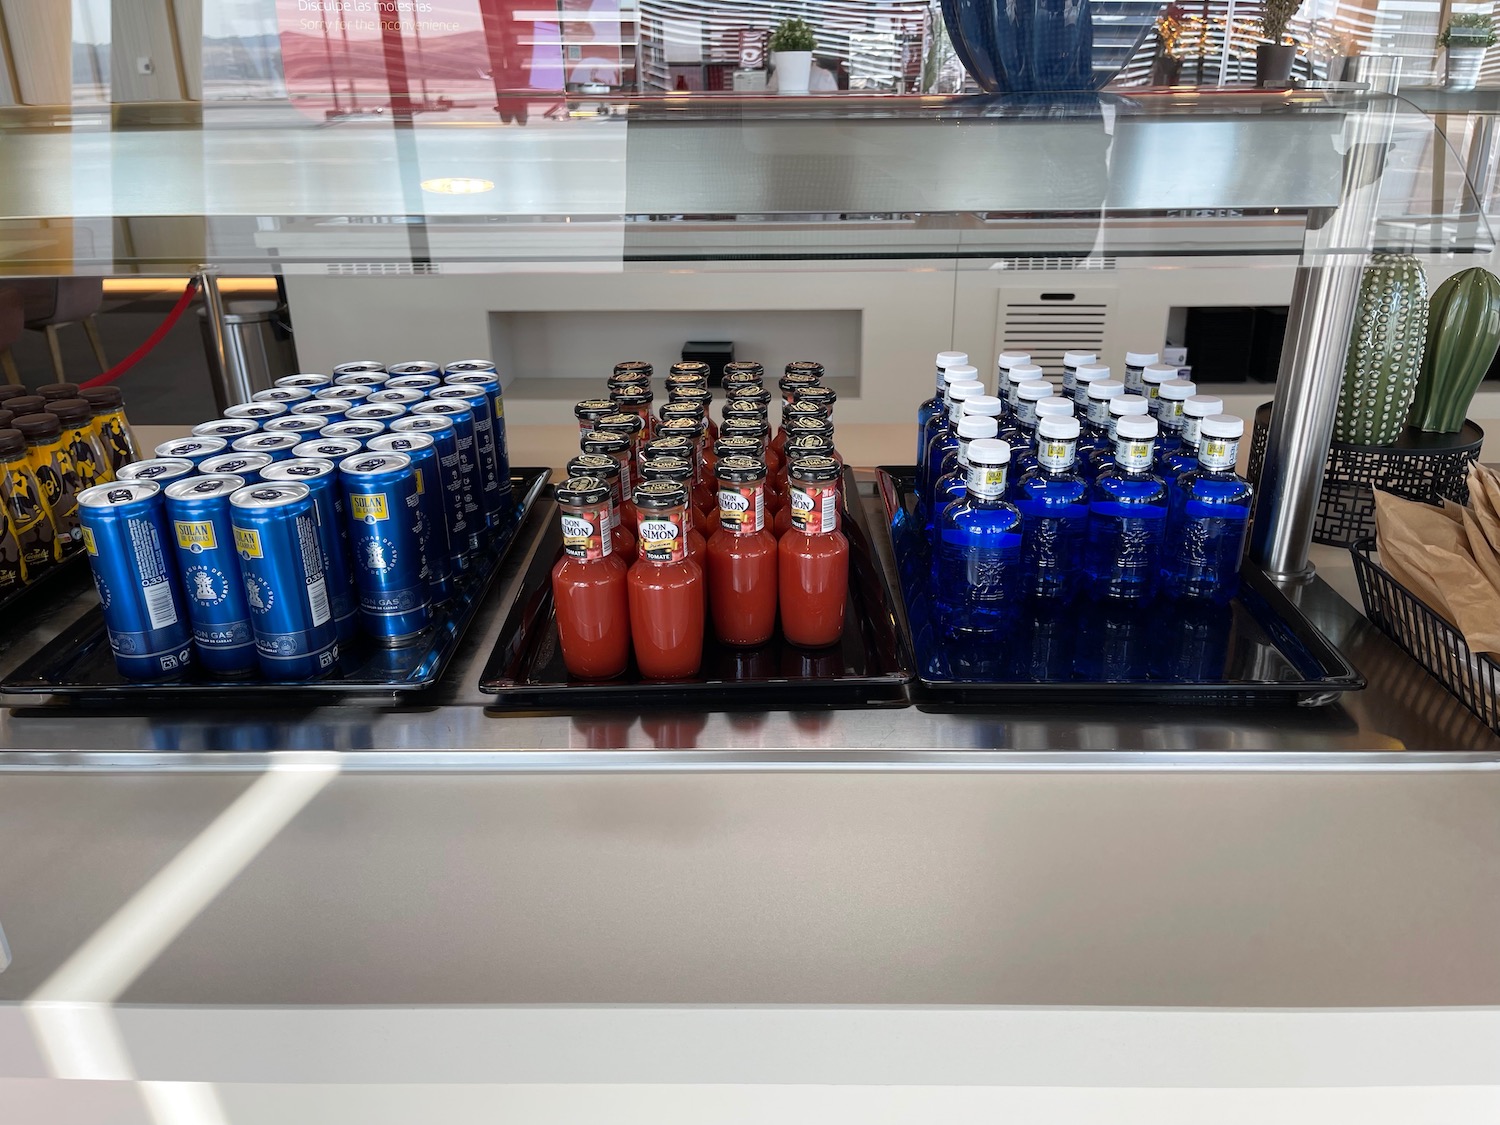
329	512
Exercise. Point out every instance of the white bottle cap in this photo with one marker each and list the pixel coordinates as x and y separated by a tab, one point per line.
964	388
961	373
1065	428
1078	359
1141	359
1091	372
1223	426
1105	388
1201	406
1055	407
989	451
1025	373
977	426
1126	406
1006	360
1136	427
1159	373
1178	389
987	406
1034	390
951	359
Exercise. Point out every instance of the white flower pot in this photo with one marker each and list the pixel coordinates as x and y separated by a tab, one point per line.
1463	67
793	71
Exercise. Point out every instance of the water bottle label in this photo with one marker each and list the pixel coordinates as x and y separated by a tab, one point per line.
955	410
1218	454
1134	379
1112	427
1099	411
742	508
963	452
1070	380
1132	455
1169	413
1026	412
986	482
1056	455
1191	428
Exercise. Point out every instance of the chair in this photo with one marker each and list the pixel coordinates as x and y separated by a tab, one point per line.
12	324
53	303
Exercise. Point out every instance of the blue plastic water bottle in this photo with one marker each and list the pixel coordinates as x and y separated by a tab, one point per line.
1166	408
1086	375
976	565
1005	363
1022	463
1053	502
944	442
1071	362
1135	370
1095	419
1020	429
954	373
1127	518
1185	456
1010	379
945	360
1209	516
1102	455
952	486
1151	380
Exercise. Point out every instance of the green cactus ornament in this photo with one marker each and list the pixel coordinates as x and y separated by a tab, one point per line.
1385	351
1463	334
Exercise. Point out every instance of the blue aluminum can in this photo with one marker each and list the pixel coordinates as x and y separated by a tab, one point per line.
486	456
466	366
322	480
445	443
129	550
288	395
355	431
386	412
276	538
278	445
330	410
304	424
436	548
226	428
213	590
385	515
256	411
163	470
307	380
461	414
194	449
400	396
373	380
360	367
420	382
352	395
413	367
490	382
246	465
329	449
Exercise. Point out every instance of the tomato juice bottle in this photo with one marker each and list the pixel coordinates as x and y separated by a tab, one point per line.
797	447
703	398
590	411
679	470
665	587
813	556
742	556
799	374
743	371
616	446
607	469
757	430
589	584
692	428
628	426
636	399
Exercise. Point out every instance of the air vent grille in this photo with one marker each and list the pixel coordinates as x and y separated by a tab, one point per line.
1047	329
1093	263
382	269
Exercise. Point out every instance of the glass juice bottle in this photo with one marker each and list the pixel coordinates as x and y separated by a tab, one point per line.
617	446
813	556
799	446
589	588
703	398
607	469
676	470
742	573
1053	501
926	407
665	587
952	486
1209	515
799	374
1171	396
1194	409
1127	517
956	373
1102	455
976	566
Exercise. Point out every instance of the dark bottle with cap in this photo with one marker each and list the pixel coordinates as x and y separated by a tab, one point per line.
89	461
25	505
23	405
53	468
51	392
111	427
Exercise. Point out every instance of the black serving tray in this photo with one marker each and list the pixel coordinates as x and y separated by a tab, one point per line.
1258	649
78	664
872	665
53	579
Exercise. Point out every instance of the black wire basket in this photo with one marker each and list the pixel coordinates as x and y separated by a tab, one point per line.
1420	466
1426	637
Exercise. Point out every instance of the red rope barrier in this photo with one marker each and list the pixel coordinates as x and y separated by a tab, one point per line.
152	340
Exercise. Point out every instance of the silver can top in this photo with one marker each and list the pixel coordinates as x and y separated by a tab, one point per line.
261	496
117	492
205	487
299	468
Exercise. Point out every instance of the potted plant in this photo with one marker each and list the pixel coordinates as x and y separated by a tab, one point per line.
1274	57
1465	39
792	44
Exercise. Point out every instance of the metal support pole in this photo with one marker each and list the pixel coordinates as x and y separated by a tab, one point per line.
1477	162
226	393
1319	321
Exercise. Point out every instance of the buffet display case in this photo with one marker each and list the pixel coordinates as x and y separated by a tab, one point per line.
868	232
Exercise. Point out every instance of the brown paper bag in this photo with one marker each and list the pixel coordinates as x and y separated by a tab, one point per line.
1428	552
1484	499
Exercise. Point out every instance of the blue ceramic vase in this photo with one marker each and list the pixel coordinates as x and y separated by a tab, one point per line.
1044	46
